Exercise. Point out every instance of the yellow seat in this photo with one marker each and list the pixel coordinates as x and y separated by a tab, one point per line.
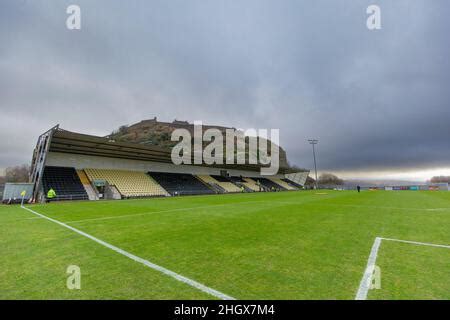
283	184
227	186
83	177
128	183
251	184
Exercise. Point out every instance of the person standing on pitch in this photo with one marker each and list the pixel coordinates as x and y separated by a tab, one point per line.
358	188
51	194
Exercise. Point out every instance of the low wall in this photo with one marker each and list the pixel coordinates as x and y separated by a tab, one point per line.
14	190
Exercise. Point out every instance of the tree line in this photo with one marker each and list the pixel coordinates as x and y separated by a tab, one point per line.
440	179
325	179
16	174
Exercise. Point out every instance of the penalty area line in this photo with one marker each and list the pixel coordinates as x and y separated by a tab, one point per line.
366	280
147	263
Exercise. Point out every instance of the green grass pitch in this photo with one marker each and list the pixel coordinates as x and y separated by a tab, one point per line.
287	245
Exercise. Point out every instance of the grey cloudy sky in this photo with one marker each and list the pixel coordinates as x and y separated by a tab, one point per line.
377	100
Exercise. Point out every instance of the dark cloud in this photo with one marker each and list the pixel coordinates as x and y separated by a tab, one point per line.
377	100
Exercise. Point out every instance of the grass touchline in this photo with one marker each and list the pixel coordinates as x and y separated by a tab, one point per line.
147	263
281	245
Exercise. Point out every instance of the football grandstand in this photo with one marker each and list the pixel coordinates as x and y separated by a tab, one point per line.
139	227
85	167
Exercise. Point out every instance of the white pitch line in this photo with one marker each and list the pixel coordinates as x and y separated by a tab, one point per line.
419	243
147	263
367	276
364	285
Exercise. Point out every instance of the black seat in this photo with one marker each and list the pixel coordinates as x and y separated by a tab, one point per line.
65	182
292	183
180	183
269	184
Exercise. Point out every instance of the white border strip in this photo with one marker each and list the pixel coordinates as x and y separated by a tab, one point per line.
364	285
418	243
147	263
367	276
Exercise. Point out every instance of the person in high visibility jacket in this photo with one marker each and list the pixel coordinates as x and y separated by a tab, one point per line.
51	194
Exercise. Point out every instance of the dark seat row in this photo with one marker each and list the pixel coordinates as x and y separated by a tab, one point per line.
180	183
221	178
236	179
292	183
65	182
269	184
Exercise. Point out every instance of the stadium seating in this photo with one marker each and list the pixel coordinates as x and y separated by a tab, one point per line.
220	178
220	181
226	183
249	183
292	183
240	182
180	183
237	179
65	182
87	185
128	183
283	184
71	184
83	177
270	185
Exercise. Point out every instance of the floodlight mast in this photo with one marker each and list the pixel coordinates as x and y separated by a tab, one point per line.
313	142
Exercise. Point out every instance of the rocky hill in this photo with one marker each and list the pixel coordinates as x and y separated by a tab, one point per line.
154	132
